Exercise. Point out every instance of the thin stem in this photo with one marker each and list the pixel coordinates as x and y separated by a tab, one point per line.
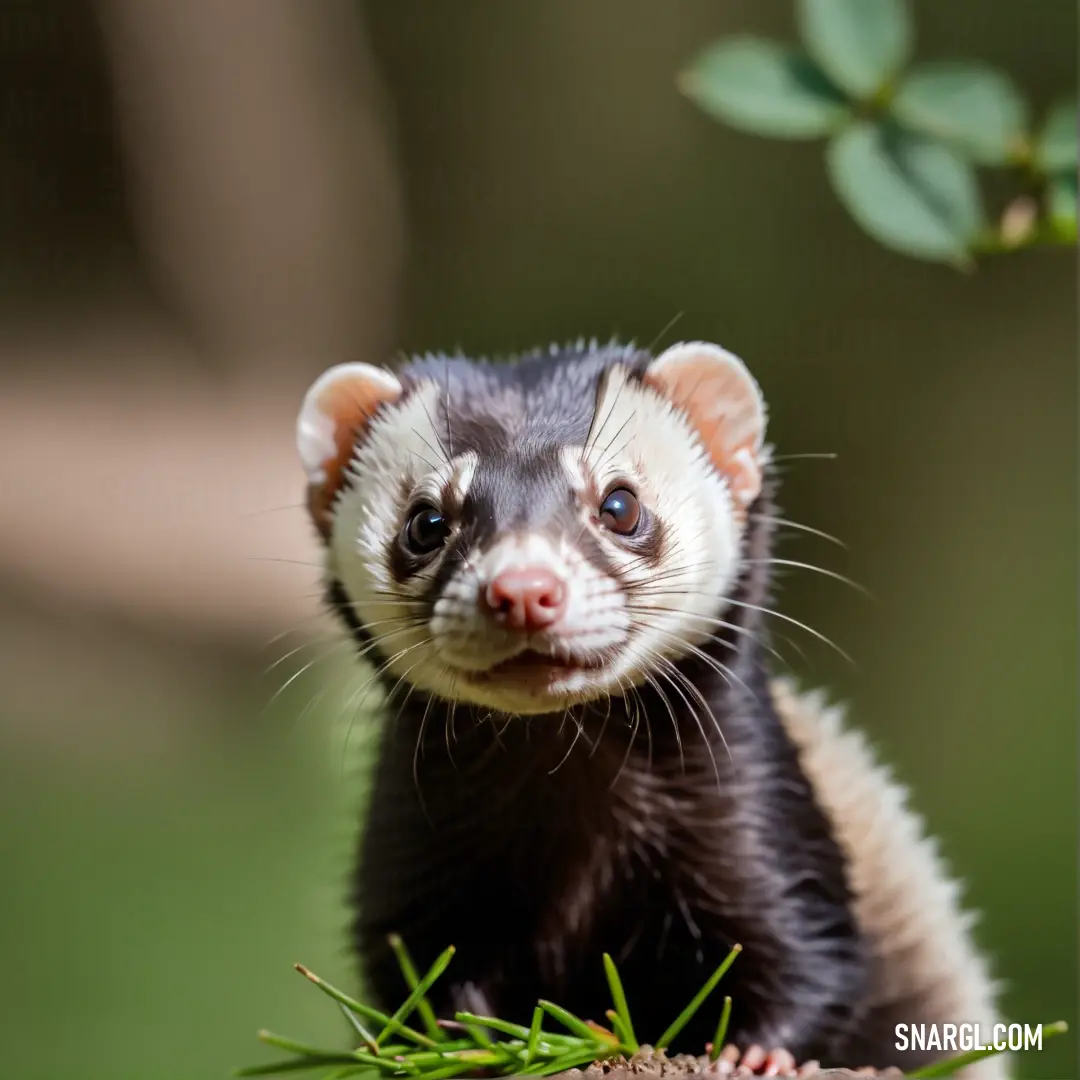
687	1014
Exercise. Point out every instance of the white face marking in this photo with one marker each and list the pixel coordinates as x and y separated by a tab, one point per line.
639	436
619	631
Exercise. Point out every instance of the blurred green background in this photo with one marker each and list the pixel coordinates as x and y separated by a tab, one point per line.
203	205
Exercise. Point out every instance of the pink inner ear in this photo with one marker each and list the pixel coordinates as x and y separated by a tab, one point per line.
723	404
349	404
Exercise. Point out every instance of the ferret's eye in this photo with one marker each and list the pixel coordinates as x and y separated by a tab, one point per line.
620	512
426	531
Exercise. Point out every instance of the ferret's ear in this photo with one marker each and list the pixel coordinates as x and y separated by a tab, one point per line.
723	403
336	410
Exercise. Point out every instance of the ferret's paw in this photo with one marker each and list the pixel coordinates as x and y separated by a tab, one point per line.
756	1061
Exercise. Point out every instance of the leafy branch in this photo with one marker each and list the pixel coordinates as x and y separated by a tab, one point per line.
472	1045
904	140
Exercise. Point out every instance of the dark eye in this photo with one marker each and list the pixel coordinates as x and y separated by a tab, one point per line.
620	512
426	531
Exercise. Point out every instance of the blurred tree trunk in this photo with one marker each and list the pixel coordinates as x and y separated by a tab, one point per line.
261	178
265	199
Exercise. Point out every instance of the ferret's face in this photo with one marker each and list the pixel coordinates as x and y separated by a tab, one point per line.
525	539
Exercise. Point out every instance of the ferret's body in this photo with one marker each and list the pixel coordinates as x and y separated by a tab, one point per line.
561	567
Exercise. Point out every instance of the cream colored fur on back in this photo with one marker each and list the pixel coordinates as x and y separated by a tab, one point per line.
927	969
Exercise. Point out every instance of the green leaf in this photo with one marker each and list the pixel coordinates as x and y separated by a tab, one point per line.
966	103
1061	200
765	88
910	193
860	44
1057	145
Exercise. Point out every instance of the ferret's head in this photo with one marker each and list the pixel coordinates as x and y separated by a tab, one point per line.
536	534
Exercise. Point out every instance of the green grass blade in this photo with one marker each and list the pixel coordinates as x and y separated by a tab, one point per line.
310	1053
953	1064
397	1050
280	1042
721	1031
366	1011
575	1024
534	1035
294	1047
365	1036
687	1014
570	1060
478	1055
410	1003
408	970
530	1051
515	1031
479	1036
618	997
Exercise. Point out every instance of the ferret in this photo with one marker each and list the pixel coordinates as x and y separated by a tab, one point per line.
560	566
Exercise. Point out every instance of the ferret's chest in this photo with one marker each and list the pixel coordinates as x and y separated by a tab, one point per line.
647	845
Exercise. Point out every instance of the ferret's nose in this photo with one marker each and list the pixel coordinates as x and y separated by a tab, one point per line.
526	599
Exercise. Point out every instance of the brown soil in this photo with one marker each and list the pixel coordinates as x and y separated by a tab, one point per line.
647	1064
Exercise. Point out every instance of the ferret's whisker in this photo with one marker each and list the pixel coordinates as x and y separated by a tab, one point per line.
298	627
276	509
638	708
373	677
327	654
825	455
289	681
312	702
675	672
798	526
817	569
442	451
333	648
651	680
667	329
794	622
603	459
579	728
726	673
644	611
341	642
418	749
607	716
668	674
755	607
285	562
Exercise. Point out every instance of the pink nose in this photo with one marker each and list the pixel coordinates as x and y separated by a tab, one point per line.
528	599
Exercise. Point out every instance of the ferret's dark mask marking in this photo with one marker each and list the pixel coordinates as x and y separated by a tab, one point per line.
516	490
516	418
